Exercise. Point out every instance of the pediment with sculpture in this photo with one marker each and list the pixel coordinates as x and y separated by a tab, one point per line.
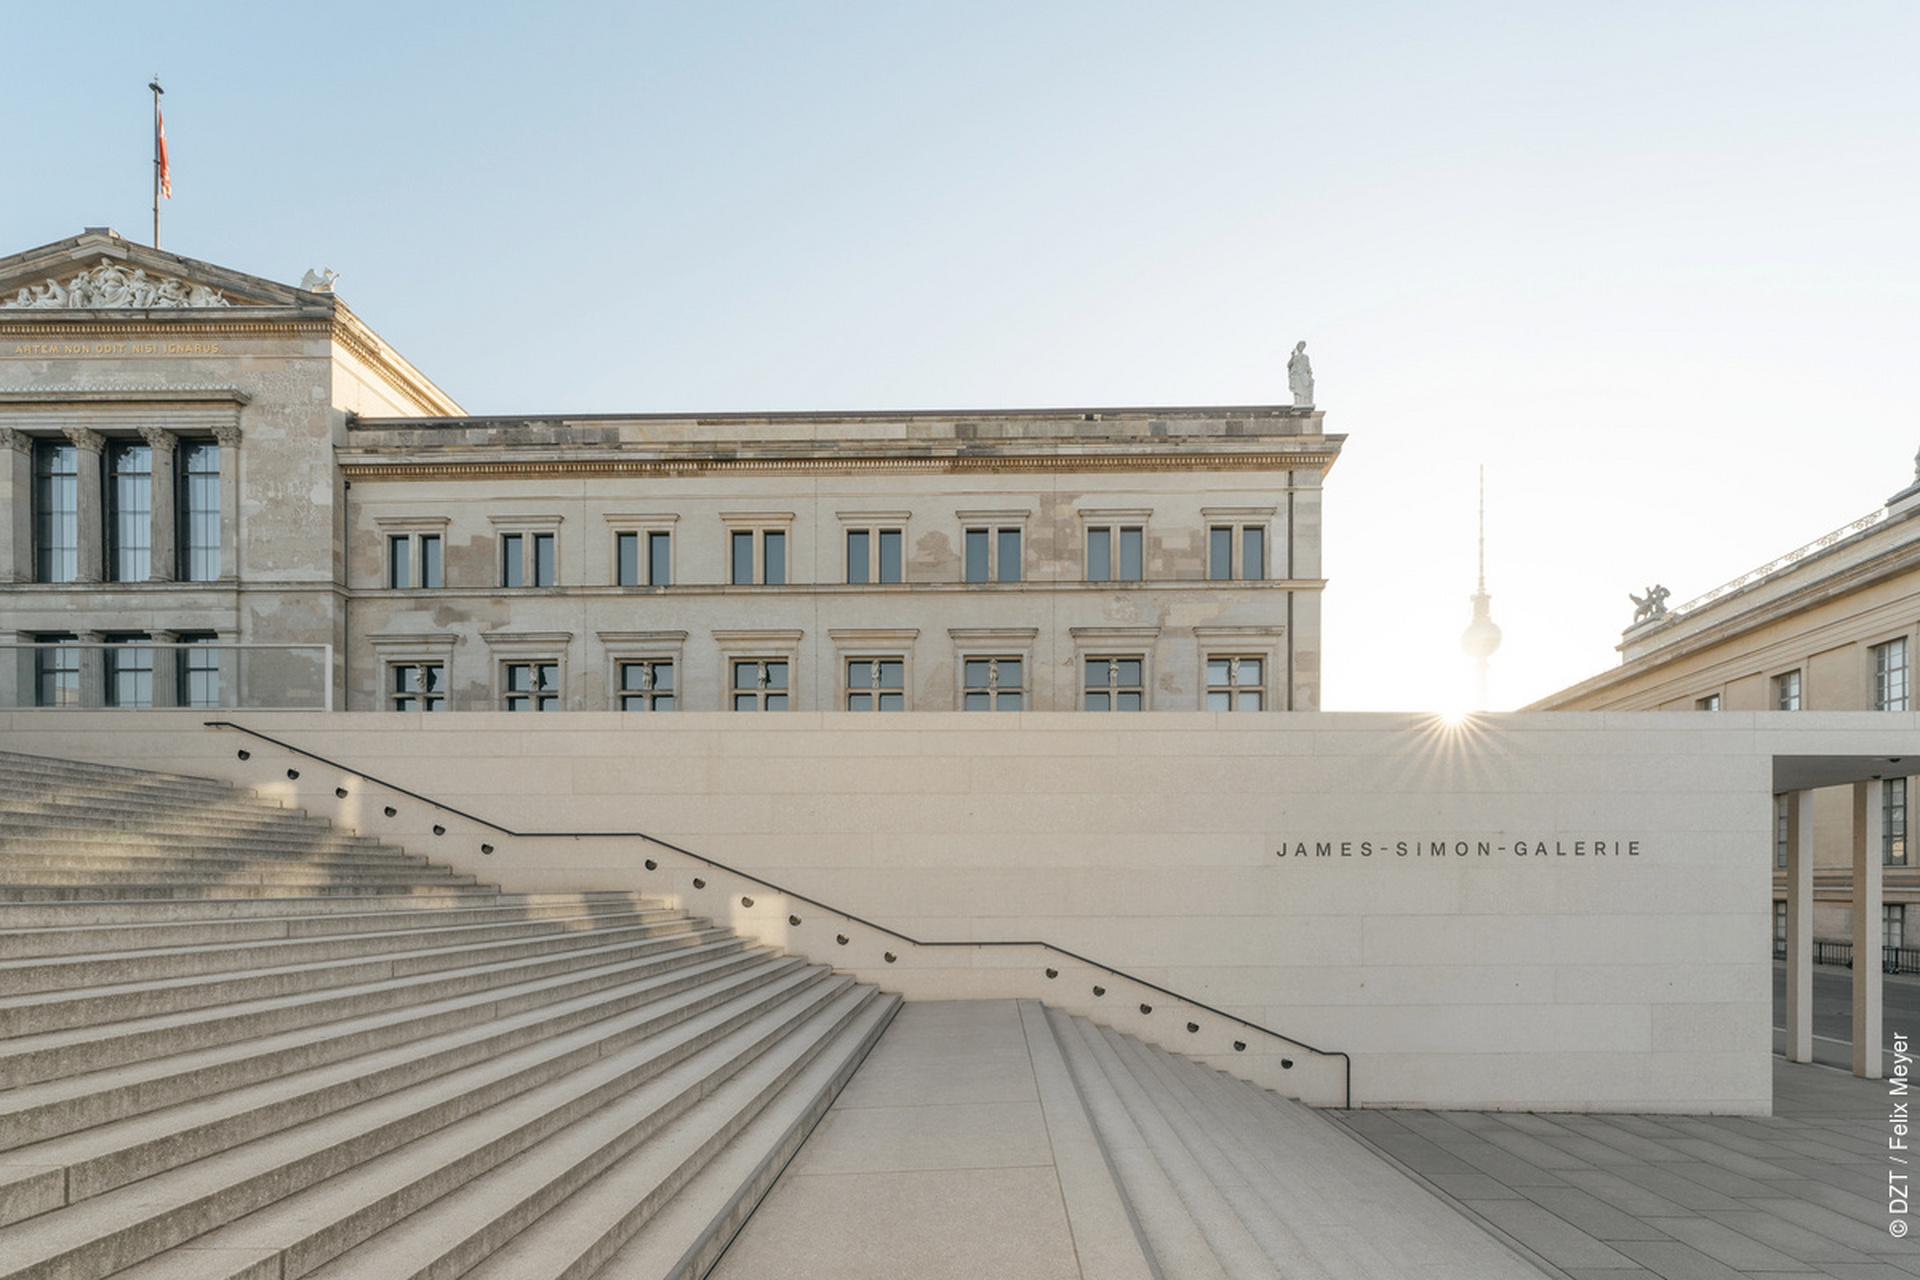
113	286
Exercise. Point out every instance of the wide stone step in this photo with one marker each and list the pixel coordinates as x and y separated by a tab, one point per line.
110	858
36	925
45	770
289	877
25	834
111	813
45	1011
52	1108
606	1229
318	1189
26	1059
24	977
165	891
577	1196
101	1159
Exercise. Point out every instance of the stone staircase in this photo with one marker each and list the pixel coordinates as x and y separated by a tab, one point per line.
237	1043
1223	1180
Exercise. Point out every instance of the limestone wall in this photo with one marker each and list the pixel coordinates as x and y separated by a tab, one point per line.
1601	943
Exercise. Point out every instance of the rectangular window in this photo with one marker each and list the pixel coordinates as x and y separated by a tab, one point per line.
1236	684
545	571
626	559
513	560
1224	540
199	510
1220	553
1253	553
1782	831
130	512
993	555
399	562
198	665
56	671
1101	559
417	686
760	684
1114	684
1779	931
659	558
876	684
875	555
1786	691
1709	703
1893	924
994	684
658	567
129	671
531	686
430	561
771	562
56	512
1893	822
646	685
1890	676
529	560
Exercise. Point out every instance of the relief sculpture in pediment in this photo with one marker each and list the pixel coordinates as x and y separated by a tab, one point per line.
112	286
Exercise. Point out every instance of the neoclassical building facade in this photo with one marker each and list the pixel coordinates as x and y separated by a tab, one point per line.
223	491
1830	626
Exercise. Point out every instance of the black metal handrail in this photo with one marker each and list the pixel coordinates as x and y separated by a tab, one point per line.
1840	953
1347	1062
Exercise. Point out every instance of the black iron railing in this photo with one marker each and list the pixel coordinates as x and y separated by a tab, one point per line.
771	887
1892	959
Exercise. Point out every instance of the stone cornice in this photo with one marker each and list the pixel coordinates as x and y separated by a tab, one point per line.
479	469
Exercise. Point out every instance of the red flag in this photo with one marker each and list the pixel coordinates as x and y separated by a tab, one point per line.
160	144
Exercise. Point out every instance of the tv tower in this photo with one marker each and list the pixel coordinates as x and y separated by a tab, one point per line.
1481	637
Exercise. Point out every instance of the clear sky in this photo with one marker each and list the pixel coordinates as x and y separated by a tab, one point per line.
1653	264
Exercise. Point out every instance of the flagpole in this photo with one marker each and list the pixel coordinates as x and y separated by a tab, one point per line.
157	91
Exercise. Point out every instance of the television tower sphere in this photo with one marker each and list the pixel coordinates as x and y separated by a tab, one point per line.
1481	637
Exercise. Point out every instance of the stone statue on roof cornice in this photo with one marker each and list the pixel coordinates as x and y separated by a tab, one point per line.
1300	376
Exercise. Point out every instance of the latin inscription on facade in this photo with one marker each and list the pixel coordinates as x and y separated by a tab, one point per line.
116	348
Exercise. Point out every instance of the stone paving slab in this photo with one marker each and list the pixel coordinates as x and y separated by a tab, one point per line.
1606	1197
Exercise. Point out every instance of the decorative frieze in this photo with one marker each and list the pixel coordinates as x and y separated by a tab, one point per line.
111	286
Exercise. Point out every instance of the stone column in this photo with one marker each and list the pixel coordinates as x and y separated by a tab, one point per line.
1800	926
93	666
165	559
88	448
229	439
1867	926
16	485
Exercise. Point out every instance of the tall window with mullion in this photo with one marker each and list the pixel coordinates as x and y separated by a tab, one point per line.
531	686
646	684
656	570
56	512
528	560
413	561
1890	675
993	555
875	555
769	568
876	684
1250	541
1893	822
198	510
1786	691
130	511
1236	684
418	686
198	665
56	671
994	684
1114	684
129	671
1102	543
760	684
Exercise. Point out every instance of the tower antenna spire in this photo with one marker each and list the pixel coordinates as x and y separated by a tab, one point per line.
1481	637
